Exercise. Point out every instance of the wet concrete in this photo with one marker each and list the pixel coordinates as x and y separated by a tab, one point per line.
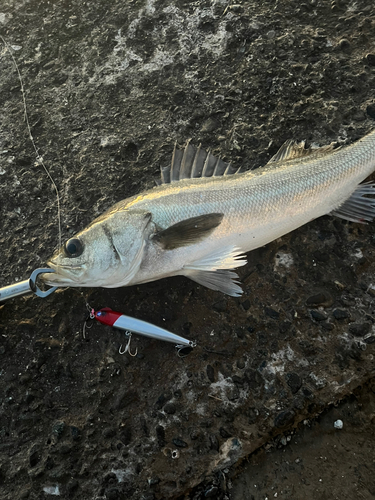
109	88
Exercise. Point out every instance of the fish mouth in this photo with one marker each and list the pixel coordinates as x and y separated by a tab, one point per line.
62	275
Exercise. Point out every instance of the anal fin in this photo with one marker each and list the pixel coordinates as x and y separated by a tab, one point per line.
358	208
221	280
213	270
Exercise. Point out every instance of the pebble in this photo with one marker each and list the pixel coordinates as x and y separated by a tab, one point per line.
112	494
323	299
370	110
318	316
307	393
58	428
340	314
272	313
123	399
170	408
180	443
241	364
240	332
370	59
307	91
75	433
211	492
210	373
214	443
321	256
126	435
236	8
359	116
294	382
194	435
224	433
153	481
238	380
344	44
160	435
359	329
162	400
72	486
246	304
284	418
327	326
109	432
284	326
34	457
220	306
339	424
254	379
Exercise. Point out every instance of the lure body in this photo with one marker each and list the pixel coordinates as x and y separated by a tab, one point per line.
118	320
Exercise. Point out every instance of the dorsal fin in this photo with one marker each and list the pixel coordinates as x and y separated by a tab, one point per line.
191	163
292	150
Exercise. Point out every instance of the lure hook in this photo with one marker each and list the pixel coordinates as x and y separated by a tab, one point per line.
127	347
183	350
91	312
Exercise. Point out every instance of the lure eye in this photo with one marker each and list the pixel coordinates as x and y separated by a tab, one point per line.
73	247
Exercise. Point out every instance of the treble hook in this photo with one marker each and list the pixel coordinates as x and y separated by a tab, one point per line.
183	350
127	347
91	312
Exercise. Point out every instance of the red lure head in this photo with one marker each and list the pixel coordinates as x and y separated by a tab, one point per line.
107	316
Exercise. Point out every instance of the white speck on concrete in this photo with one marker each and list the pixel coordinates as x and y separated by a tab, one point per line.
357	254
339	424
121	474
200	409
284	260
221	387
279	358
52	490
318	382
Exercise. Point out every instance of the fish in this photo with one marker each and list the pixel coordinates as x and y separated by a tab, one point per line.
206	215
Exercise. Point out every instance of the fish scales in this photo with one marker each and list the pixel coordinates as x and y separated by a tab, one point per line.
256	207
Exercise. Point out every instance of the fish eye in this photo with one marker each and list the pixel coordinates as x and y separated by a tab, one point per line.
73	247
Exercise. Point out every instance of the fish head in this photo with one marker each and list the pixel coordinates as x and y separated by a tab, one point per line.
107	253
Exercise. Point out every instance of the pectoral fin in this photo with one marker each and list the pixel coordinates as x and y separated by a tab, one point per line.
188	232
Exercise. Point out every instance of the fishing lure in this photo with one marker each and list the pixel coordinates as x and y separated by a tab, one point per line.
107	316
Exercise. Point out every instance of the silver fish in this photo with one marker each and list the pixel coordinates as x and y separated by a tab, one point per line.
204	215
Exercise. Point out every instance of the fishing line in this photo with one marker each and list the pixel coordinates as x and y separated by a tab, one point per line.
39	158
